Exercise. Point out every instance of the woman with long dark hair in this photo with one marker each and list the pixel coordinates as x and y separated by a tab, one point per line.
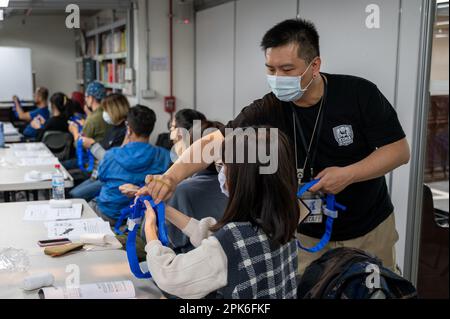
251	252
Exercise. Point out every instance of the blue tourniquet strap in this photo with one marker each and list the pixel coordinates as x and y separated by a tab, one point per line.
330	210
75	119
83	157
135	215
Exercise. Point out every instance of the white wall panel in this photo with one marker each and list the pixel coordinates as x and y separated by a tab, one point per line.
253	19
215	61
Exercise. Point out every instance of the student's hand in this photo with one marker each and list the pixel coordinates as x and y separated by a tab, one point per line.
129	190
15	99
35	123
160	187
87	142
73	129
333	180
40	119
150	229
80	121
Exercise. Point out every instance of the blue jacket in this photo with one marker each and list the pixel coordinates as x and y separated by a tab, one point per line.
127	164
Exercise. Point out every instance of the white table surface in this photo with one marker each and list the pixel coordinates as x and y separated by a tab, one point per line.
13	138
12	175
94	266
11	133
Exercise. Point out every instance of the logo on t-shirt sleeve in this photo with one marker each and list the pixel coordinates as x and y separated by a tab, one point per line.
343	134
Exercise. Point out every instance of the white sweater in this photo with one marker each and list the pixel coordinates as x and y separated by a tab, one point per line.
194	274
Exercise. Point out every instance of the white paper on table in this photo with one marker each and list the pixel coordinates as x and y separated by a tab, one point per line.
9	129
30	161
44	176
72	229
103	290
45	212
28	146
26	153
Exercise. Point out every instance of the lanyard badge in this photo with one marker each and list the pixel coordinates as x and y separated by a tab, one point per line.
313	202
330	209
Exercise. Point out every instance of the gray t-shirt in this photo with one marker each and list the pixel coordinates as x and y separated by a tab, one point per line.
198	197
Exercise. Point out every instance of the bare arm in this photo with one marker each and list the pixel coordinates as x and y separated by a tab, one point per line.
24	116
161	187
177	218
383	160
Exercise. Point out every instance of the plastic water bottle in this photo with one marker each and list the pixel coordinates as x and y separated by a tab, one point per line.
58	183
2	135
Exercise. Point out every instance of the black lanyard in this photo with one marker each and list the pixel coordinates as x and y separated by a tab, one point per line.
309	150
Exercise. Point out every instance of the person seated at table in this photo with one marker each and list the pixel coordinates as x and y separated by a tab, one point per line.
180	125
198	196
40	113
94	126
251	251
115	110
179	128
129	163
78	104
62	108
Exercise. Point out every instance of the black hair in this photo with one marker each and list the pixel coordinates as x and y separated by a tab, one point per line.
205	125
77	108
297	31
268	201
141	120
184	118
63	104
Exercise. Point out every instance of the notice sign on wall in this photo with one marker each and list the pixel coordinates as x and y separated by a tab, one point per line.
159	63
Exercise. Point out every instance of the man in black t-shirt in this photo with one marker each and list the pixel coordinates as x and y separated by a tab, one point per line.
343	131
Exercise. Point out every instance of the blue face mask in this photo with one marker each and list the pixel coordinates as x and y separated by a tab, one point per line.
288	88
223	181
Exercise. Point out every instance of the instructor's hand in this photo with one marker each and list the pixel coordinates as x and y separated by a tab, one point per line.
333	180
159	187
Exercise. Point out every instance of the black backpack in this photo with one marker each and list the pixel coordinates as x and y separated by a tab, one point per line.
349	273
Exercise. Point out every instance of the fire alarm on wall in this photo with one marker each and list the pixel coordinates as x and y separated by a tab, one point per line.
169	104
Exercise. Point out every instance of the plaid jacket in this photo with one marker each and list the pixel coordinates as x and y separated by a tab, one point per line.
256	269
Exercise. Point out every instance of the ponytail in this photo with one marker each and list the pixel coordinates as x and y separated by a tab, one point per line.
63	104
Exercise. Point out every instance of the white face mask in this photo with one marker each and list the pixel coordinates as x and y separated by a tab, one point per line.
223	182
107	118
288	88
